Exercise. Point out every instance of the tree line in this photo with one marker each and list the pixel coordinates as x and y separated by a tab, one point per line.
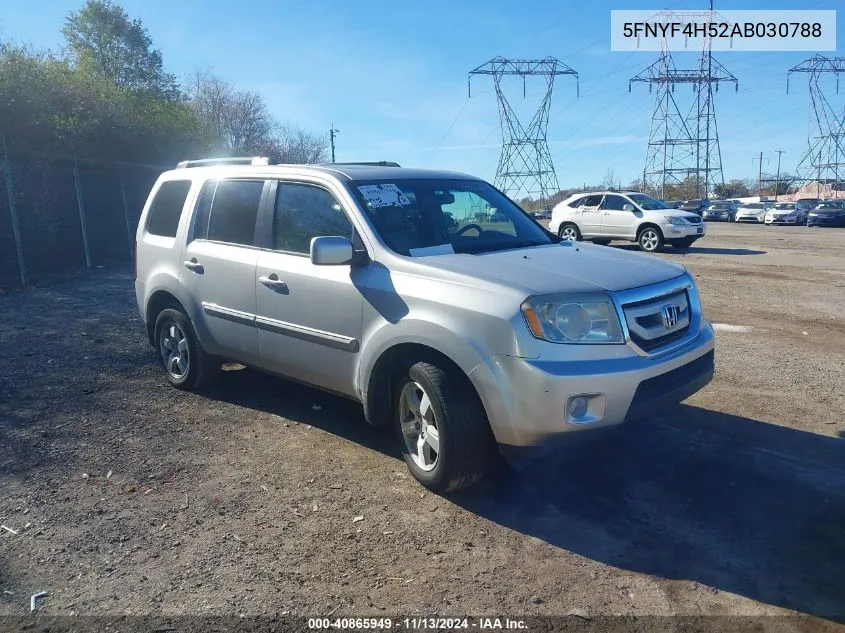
106	96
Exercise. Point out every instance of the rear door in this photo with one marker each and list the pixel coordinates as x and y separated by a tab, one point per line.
218	268
615	222
309	318
589	216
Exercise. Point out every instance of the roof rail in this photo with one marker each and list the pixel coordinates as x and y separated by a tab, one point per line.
380	163
231	160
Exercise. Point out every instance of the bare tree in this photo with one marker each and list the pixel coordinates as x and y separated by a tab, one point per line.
236	119
295	145
611	180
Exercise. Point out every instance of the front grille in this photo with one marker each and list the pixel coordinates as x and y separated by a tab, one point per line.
646	325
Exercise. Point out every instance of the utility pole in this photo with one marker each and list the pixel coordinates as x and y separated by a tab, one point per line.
332	133
777	178
760	177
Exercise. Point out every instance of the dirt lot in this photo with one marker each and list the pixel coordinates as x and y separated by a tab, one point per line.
130	497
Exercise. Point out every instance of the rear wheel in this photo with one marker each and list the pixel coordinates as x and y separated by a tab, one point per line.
650	239
569	231
186	364
446	440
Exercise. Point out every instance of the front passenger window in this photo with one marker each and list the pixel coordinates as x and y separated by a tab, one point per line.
303	212
613	203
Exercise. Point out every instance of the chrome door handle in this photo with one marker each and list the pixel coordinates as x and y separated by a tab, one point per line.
193	264
272	281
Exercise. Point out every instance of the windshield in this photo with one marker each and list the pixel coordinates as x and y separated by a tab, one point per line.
647	203
786	206
428	217
830	205
719	205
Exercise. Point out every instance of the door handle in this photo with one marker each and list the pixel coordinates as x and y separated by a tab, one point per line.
605	212
193	264
273	281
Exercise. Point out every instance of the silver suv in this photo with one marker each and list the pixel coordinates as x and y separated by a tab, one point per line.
602	216
397	288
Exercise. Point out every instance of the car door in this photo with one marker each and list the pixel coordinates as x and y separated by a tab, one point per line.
615	221
588	216
309	317
218	268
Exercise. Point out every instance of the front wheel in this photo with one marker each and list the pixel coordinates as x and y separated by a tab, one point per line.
569	232
650	239
445	437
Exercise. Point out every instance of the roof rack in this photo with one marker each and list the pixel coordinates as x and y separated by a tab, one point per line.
380	163
231	160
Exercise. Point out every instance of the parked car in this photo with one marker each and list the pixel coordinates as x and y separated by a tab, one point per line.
602	216
721	211
673	204
785	213
545	214
828	213
694	206
752	212
344	277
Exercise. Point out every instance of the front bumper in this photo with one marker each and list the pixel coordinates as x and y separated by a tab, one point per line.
825	220
717	217
781	220
673	232
526	399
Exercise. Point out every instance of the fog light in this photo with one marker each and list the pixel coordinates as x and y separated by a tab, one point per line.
577	406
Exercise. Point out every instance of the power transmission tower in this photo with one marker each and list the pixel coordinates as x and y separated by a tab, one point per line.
824	159
525	165
684	146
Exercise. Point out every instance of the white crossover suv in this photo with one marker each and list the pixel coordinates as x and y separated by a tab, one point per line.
429	297
602	216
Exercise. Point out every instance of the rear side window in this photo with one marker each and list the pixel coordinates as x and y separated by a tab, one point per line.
227	211
166	207
592	201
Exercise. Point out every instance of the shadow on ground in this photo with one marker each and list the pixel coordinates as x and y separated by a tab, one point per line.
733	503
699	250
737	504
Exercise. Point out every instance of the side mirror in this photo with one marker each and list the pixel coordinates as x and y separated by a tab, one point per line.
330	250
627	207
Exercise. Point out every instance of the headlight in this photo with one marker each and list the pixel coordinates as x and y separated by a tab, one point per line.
675	220
572	319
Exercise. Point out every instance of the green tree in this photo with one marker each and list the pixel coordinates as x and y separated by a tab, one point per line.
732	189
105	42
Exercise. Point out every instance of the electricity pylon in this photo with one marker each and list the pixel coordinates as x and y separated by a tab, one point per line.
525	165
683	146
824	159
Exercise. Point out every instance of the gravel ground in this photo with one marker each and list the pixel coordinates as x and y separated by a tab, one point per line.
130	497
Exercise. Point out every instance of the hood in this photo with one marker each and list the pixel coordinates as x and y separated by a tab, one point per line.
746	211
564	267
827	211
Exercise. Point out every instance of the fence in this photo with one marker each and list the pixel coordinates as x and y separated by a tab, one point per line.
58	214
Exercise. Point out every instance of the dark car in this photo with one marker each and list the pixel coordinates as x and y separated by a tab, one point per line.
721	211
673	204
828	213
694	206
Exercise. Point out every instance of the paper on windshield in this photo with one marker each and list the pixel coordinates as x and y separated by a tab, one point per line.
440	249
384	195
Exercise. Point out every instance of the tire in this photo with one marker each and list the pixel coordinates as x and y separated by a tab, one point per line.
682	244
186	365
650	239
601	242
571	229
464	441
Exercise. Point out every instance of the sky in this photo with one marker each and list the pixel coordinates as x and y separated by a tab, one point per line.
392	76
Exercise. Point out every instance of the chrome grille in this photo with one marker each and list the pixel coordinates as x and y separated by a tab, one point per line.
658	321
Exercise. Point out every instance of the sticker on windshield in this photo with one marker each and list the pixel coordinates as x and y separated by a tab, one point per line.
387	195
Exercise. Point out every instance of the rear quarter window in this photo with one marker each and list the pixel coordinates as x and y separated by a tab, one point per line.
166	207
